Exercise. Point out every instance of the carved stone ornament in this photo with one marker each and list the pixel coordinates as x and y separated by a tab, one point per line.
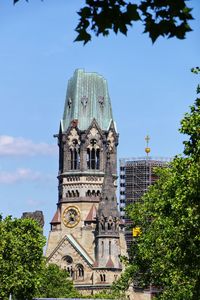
93	132
110	141
101	100
73	138
74	123
93	137
84	100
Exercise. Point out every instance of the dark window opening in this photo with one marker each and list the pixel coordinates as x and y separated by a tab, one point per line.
103	277
74	159
102	248
93	156
109	247
93	159
79	271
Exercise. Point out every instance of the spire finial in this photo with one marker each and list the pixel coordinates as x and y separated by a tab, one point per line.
147	149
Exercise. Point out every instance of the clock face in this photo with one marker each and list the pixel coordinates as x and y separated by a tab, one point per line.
71	216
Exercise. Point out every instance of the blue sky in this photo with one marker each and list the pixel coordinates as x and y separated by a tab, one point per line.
150	86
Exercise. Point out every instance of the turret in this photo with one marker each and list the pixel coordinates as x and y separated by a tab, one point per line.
107	230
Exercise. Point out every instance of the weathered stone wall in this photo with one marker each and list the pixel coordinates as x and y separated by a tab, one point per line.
36	215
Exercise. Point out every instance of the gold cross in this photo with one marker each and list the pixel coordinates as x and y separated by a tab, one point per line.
147	139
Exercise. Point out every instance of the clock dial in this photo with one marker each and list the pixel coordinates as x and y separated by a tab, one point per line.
71	216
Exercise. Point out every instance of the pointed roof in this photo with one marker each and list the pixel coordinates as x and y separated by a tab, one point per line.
56	218
75	244
92	214
108	200
73	241
87	98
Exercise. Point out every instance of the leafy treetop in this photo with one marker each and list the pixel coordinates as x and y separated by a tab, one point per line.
55	283
167	18
166	254
21	257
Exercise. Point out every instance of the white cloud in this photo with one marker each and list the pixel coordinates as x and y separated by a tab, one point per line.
19	175
15	146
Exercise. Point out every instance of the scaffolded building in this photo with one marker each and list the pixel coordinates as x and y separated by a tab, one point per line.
136	174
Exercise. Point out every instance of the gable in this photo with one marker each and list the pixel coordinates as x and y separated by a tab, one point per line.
70	246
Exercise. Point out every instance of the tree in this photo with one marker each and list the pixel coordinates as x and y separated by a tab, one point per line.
167	253
56	283
21	257
160	18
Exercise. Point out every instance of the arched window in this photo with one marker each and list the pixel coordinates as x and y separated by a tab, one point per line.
98	193
97	162
88	193
68	265
79	271
75	156
93	155
110	224
68	259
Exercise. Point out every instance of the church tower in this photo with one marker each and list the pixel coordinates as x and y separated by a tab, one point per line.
86	238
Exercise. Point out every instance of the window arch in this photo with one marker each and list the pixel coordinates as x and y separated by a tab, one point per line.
110	224
68	259
98	193
74	155
93	155
79	271
88	193
68	265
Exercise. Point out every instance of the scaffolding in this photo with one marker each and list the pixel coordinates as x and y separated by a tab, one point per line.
137	175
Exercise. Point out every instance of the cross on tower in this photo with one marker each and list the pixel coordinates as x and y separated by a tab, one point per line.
147	139
147	149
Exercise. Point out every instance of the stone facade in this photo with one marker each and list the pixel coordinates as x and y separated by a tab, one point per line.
36	215
86	236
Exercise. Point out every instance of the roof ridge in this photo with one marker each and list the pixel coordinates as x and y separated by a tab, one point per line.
85	255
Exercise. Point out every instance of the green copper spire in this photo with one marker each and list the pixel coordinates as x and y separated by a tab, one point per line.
87	98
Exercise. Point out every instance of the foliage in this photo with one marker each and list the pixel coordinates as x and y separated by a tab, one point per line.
167	253
21	257
56	283
107	295
160	18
